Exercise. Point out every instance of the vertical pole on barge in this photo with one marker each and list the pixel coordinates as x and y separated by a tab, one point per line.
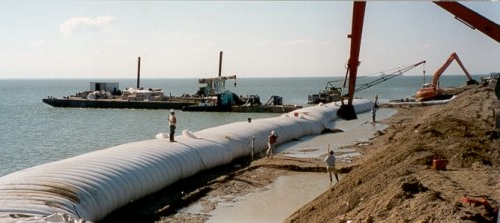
220	63
219	95
138	72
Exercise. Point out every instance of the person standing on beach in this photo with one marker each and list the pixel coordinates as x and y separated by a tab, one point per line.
374	113
172	121
271	139
330	165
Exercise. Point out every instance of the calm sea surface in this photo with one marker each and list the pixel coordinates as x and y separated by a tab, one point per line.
34	133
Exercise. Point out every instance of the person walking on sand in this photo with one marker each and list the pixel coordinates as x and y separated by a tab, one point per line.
330	165
172	121
271	139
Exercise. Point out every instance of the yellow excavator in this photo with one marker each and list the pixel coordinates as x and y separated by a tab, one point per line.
431	90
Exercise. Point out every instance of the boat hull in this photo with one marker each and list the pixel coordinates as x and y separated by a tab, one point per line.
180	105
112	103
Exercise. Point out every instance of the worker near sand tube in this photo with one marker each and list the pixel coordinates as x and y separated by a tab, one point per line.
271	140
330	164
374	113
172	121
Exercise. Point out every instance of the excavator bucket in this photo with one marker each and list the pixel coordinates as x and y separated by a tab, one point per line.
471	82
347	112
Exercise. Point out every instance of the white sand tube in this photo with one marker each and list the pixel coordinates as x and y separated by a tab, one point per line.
92	185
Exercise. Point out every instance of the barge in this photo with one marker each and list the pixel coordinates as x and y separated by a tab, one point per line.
212	96
332	93
252	104
73	102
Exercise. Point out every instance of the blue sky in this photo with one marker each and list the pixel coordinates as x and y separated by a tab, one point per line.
177	39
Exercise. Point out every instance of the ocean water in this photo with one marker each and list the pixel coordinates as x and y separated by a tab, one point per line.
34	133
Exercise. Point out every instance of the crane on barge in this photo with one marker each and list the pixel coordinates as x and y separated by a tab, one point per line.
386	77
462	13
333	93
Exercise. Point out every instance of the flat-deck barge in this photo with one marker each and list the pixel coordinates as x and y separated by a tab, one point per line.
115	103
211	97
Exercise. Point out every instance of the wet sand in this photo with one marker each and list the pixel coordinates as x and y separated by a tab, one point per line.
351	133
285	191
275	202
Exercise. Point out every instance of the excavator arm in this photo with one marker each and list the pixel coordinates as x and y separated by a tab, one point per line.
440	71
358	15
464	14
433	91
471	18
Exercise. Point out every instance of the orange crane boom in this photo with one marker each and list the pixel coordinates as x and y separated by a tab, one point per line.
358	14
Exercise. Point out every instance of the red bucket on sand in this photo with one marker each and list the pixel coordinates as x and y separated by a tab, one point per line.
439	164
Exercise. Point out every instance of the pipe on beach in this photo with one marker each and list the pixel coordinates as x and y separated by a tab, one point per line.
92	185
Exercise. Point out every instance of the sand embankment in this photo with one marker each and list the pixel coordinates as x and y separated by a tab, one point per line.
396	182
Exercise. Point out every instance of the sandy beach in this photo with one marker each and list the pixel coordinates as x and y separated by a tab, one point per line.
387	178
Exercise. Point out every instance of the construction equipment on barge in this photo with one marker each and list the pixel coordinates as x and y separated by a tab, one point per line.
332	93
211	96
218	99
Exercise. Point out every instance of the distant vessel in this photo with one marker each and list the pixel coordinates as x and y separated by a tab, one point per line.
109	95
230	102
493	76
329	94
218	99
100	96
212	96
332	93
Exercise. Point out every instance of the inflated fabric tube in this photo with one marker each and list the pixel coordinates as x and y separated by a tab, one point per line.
92	185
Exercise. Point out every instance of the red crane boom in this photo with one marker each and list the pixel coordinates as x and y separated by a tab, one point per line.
358	15
472	19
462	13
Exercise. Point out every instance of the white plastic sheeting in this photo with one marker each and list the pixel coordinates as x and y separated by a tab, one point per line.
92	185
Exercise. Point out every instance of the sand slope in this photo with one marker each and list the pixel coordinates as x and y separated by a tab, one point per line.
395	181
